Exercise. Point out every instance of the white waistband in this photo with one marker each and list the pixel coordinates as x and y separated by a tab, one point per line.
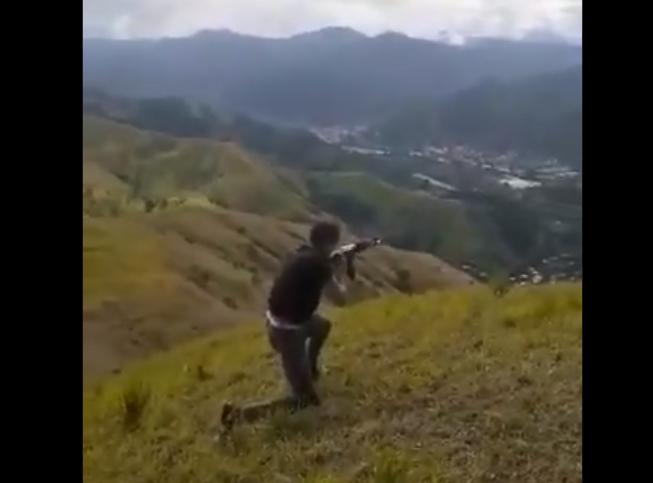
278	323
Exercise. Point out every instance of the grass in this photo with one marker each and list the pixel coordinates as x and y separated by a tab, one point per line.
95	177
455	386
151	281
366	188
160	167
407	218
119	258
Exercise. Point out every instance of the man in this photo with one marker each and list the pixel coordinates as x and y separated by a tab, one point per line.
295	331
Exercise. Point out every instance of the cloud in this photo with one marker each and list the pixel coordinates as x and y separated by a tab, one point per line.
421	18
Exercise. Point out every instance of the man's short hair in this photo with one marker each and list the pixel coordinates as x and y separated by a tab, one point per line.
324	233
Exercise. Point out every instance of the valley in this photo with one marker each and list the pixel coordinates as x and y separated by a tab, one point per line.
383	196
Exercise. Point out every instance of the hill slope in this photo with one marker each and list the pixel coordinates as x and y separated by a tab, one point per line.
151	281
451	387
161	167
406	218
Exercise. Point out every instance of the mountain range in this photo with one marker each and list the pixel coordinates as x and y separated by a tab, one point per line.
541	115
331	76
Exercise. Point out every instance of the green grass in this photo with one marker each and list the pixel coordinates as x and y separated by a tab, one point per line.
456	386
366	188
411	219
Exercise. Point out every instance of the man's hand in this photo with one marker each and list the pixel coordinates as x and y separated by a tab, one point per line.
346	255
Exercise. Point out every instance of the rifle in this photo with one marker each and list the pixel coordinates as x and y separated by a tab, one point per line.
349	251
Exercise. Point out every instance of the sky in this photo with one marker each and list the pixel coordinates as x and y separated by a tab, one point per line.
279	18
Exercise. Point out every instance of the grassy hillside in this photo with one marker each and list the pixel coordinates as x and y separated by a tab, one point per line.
172	248
411	219
97	178
160	168
153	280
455	386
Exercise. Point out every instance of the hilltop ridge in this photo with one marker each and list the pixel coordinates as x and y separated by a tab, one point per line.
456	386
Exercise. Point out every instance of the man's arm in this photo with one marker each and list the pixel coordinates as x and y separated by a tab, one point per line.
336	290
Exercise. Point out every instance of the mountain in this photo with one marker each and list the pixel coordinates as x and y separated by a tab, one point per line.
542	115
373	194
319	176
455	386
182	236
333	76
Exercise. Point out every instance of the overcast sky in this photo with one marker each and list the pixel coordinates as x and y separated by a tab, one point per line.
420	18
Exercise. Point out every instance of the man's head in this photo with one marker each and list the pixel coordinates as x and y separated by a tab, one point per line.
325	236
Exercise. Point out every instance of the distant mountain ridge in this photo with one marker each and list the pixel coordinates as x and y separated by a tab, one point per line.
541	35
332	76
541	114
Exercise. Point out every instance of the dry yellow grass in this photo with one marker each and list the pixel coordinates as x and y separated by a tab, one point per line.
151	281
456	386
96	177
119	258
162	167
